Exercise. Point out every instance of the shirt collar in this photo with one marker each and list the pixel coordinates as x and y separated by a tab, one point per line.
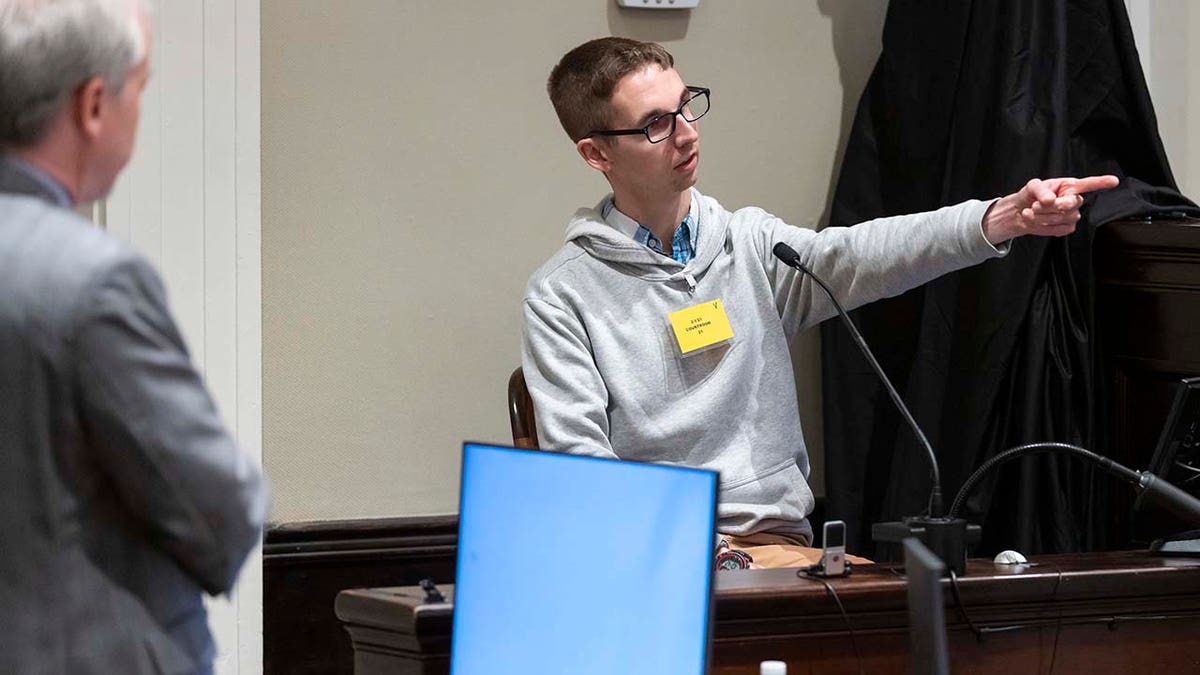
53	189
629	227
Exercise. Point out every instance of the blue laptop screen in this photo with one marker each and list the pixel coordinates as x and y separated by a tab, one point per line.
579	565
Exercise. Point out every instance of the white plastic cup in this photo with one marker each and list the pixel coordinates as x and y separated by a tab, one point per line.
772	668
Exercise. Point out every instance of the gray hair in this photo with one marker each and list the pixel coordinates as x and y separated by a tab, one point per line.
50	47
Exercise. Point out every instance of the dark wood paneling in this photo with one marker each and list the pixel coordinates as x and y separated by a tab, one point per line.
305	566
1148	338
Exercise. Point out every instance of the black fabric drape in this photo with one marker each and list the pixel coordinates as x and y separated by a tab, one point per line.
972	99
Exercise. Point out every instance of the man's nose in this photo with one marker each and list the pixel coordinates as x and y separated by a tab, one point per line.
685	132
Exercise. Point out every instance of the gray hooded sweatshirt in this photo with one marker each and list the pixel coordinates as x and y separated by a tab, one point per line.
607	378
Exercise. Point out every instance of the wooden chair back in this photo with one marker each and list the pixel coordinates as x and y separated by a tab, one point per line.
520	412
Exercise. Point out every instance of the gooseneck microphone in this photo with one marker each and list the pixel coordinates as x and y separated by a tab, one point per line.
792	259
1154	488
946	537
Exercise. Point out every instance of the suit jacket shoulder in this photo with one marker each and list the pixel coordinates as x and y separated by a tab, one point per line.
117	477
49	258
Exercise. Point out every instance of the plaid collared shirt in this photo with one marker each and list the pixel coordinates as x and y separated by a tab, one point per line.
682	248
683	243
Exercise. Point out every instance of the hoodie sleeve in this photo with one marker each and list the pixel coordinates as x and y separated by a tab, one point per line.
569	397
876	259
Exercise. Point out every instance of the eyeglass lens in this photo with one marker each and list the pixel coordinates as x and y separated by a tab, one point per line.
661	127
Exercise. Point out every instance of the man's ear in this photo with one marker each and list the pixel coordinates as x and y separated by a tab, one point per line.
595	153
87	107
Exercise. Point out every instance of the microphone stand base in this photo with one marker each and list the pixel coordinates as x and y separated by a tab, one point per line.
947	538
1182	544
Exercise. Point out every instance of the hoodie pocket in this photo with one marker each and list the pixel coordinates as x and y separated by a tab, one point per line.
774	495
683	374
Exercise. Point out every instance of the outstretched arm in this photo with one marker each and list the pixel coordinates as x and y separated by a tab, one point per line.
1043	208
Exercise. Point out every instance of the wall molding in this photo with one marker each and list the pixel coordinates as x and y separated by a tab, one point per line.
415	537
305	565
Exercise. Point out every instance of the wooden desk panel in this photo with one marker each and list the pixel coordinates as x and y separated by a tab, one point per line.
1099	613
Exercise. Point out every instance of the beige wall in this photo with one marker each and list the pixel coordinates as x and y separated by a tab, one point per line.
1165	31
414	176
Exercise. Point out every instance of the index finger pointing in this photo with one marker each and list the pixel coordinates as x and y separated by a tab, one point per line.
1093	183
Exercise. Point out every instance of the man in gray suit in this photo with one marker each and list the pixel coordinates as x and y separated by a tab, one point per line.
122	496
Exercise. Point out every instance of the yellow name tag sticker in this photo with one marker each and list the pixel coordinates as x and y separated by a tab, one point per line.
701	326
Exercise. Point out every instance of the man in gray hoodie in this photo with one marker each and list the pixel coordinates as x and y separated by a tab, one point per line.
660	331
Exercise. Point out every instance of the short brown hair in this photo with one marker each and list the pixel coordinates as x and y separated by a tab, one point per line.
582	83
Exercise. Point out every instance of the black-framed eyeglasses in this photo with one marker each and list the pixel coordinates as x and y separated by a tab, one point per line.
662	127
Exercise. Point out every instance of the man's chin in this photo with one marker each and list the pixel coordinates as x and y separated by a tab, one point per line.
688	179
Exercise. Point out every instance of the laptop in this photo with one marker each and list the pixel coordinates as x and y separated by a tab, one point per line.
571	564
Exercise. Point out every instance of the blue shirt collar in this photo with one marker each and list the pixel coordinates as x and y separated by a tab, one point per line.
640	233
52	188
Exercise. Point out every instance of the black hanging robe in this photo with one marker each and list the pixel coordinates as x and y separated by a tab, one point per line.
970	99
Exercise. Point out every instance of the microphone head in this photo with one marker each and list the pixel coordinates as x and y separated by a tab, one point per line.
786	253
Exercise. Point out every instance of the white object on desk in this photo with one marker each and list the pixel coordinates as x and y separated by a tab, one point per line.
772	668
1009	558
659	4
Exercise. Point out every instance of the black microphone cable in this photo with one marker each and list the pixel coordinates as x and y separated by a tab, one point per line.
845	617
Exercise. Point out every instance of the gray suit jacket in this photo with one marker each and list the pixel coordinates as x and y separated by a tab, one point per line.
122	497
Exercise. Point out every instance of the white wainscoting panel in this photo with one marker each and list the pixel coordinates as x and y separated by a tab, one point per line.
190	200
1164	31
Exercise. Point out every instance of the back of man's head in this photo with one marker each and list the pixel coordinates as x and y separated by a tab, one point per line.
581	85
48	48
